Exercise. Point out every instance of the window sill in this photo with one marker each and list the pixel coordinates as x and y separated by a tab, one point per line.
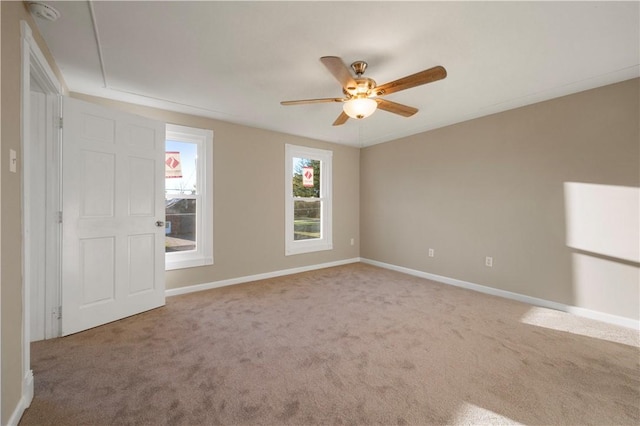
293	248
189	262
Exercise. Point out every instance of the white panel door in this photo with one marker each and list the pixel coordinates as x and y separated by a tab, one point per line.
113	195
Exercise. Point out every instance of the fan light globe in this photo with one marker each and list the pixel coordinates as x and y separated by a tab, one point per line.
360	107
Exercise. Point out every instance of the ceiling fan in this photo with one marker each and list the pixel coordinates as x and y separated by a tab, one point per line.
362	93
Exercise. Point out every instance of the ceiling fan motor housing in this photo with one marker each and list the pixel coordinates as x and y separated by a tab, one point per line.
364	86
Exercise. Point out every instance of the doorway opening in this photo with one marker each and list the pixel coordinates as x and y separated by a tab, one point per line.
40	151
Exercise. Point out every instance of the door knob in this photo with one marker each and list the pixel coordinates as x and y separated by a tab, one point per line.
159	223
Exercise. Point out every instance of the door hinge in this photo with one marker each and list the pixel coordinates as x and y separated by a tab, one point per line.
60	123
59	217
57	312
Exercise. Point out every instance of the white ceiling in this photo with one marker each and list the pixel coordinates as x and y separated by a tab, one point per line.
235	61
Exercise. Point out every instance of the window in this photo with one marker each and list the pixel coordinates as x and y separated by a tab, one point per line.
188	197
308	200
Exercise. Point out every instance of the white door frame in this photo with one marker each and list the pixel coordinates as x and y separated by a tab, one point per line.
35	65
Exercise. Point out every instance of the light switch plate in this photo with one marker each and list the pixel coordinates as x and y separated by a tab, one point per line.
13	161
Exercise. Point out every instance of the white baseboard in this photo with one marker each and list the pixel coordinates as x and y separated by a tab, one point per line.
25	400
249	278
575	310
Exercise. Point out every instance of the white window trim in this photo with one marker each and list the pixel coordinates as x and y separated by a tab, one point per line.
203	255
325	242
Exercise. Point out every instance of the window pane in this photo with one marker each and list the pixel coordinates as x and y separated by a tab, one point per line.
180	228
306	177
180	167
306	220
307	200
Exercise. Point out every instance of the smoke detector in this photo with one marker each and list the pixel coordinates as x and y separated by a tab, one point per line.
43	10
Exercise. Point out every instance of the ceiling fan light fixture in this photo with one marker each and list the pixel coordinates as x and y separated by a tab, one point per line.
359	107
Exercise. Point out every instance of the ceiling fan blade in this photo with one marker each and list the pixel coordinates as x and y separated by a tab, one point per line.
413	80
342	118
396	108
312	101
339	71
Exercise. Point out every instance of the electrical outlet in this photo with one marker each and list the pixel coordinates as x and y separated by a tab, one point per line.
488	261
353	241
431	253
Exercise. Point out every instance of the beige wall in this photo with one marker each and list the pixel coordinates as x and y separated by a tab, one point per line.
494	186
249	211
1	158
11	275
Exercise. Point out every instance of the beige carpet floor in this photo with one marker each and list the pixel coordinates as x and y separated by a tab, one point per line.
351	345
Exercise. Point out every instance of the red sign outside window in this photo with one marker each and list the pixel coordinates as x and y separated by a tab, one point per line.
172	168
307	177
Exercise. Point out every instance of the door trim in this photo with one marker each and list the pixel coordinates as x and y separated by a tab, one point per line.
34	65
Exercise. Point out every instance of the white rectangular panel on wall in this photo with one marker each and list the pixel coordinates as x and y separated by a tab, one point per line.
113	250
